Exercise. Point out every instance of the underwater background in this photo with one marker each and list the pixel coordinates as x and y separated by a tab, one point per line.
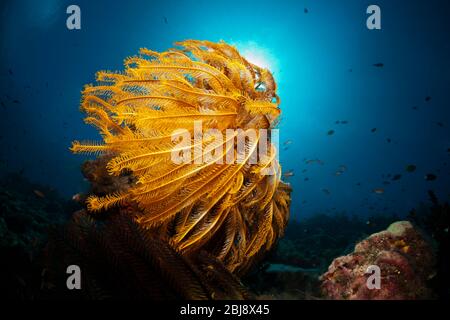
358	105
364	136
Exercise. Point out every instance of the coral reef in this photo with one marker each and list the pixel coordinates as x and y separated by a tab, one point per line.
220	199
27	211
313	242
291	270
121	260
435	221
404	257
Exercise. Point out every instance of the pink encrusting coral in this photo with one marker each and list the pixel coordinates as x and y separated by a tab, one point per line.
405	260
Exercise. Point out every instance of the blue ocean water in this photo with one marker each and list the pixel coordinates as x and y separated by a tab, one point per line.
323	59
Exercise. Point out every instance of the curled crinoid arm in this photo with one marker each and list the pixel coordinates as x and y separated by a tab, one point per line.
228	205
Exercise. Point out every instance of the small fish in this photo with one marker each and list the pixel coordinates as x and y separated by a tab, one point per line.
326	191
388	140
311	161
430	177
77	197
288	174
428	99
386	183
344	121
343	168
304	170
330	132
306	179
10	72
337	122
16	101
373	130
358	184
415	108
350	70
440	124
165	20
410	168
378	65
378	191
396	177
287	142
40	194
338	173
305	10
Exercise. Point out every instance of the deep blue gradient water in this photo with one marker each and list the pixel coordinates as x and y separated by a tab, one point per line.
323	63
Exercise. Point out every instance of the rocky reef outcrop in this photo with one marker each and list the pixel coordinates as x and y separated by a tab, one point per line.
405	260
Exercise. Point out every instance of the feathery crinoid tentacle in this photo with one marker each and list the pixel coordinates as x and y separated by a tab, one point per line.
219	199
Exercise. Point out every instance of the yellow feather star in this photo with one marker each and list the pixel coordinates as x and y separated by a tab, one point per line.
231	209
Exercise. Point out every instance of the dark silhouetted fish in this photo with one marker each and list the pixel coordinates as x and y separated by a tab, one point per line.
16	101
440	124
337	122
373	130
10	72
430	177
39	193
306	10
386	183
388	140
415	108
378	190
410	168
311	161
289	173
344	121
306	179
326	191
396	177
378	65
331	132
165	20
428	99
